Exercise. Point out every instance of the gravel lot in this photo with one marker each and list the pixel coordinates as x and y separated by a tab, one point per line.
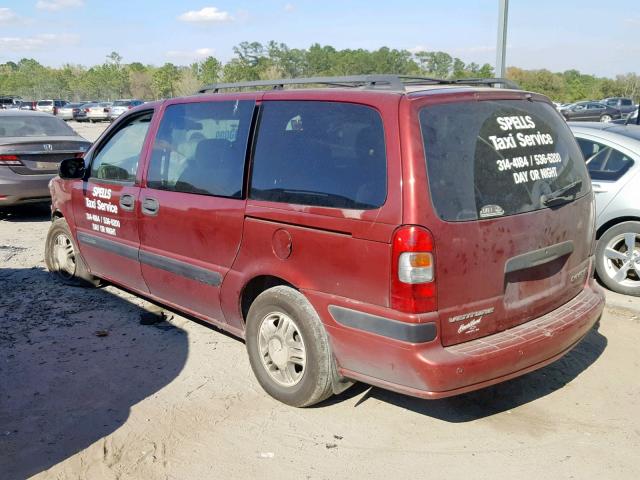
86	391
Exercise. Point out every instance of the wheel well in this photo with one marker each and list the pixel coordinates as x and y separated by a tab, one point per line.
615	221
56	214
255	287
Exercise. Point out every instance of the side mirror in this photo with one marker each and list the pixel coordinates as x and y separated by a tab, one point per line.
71	168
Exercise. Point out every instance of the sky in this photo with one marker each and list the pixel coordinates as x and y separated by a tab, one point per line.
592	36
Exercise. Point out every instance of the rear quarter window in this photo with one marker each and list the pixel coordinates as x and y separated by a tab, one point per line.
495	158
320	153
604	162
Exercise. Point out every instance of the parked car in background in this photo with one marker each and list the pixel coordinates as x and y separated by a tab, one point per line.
15	106
121	106
590	112
32	145
81	116
28	105
612	153
70	111
632	119
625	105
50	106
9	102
97	112
344	247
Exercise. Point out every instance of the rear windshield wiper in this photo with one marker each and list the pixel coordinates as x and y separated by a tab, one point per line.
562	195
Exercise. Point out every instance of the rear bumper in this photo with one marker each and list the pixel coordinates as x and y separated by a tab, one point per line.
18	189
429	370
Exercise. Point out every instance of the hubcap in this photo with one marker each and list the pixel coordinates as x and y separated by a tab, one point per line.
606	118
282	349
64	256
622	259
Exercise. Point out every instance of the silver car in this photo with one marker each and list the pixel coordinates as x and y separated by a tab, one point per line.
98	112
121	106
612	153
69	111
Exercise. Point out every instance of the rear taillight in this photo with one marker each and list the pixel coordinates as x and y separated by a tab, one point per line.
9	160
86	110
55	110
130	107
413	286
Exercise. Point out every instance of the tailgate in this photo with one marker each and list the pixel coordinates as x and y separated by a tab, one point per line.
506	271
515	214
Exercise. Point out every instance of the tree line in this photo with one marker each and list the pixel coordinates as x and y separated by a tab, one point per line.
256	61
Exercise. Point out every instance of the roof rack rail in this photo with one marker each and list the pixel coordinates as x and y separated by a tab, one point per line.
490	82
386	82
369	82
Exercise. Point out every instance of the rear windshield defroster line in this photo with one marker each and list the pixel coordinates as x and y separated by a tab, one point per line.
490	159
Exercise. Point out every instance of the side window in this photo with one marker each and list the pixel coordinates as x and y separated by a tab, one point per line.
626	102
589	148
201	148
580	106
118	158
612	102
595	106
320	153
603	162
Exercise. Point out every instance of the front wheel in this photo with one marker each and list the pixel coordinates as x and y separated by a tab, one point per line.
605	118
63	259
288	348
618	258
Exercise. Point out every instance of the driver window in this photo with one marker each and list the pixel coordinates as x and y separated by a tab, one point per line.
118	158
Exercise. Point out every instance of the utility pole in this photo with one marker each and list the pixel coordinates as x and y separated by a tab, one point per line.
501	49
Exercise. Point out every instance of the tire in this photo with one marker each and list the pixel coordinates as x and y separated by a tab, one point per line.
71	270
605	118
618	258
309	378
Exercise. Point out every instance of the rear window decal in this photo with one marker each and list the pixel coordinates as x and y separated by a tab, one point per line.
491	211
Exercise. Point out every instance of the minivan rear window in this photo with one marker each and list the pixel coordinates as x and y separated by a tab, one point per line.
500	157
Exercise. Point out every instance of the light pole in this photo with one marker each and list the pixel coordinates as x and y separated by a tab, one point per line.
501	49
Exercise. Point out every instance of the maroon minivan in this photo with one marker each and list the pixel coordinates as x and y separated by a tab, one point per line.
426	236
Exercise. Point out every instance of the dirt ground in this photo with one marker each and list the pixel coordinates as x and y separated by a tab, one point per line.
88	392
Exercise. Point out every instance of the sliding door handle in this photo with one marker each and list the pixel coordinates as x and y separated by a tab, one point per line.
150	206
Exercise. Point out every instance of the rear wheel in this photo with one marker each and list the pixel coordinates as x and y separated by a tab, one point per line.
605	118
63	259
288	348
618	258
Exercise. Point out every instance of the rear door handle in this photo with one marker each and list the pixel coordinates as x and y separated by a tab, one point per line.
127	202
150	206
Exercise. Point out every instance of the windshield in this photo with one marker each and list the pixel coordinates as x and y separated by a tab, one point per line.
28	126
44	103
496	158
122	103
